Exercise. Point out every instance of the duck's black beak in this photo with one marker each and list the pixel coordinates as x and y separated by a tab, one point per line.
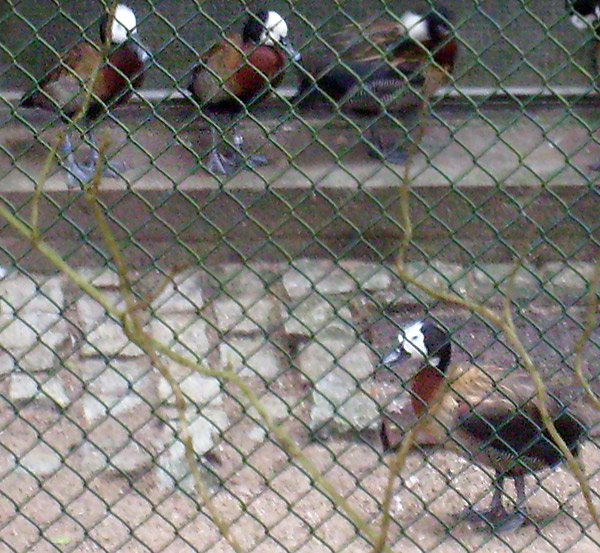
395	357
142	50
294	54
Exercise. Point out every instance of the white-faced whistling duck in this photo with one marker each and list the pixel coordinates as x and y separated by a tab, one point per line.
386	70
235	75
493	421
64	89
585	15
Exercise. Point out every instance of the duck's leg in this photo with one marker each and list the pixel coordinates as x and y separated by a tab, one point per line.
519	516
250	160
217	162
114	171
496	511
393	153
497	516
76	174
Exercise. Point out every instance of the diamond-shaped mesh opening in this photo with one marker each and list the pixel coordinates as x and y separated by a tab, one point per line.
177	275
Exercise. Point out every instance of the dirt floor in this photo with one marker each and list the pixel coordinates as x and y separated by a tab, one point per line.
270	503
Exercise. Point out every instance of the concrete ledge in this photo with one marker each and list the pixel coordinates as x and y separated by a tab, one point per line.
489	182
159	95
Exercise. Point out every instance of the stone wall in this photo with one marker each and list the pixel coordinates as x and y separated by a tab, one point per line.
276	325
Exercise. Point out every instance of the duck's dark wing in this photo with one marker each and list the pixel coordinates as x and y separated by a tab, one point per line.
362	86
365	41
514	437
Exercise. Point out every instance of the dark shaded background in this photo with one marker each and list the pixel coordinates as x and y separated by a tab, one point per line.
504	43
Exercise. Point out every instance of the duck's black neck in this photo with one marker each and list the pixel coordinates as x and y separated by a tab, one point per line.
445	355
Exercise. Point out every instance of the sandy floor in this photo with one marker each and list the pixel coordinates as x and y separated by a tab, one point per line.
270	502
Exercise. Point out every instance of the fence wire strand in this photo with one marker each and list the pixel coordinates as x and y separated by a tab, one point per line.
196	304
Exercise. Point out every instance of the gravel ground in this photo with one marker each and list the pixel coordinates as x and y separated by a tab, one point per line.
270	503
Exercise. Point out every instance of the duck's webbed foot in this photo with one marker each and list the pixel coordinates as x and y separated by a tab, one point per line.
76	173
82	173
220	164
391	153
497	518
113	169
249	160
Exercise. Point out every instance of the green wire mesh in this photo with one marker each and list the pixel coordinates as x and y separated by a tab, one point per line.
285	275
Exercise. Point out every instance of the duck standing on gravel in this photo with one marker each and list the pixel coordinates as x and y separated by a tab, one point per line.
493	421
385	70
66	89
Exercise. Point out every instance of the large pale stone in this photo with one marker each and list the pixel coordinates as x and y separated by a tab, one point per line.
109	383
94	409
324	276
186	334
38	358
277	409
315	313
338	399
22	387
54	389
246	314
568	278
128	372
436	275
492	278
90	312
7	362
173	469
31	327
118	386
97	407
237	281
181	295
41	461
103	335
108	339
251	356
21	294
332	348
16	292
198	389
102	277
132	458
369	276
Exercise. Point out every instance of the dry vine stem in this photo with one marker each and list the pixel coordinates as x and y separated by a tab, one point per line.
399	459
133	328
155	349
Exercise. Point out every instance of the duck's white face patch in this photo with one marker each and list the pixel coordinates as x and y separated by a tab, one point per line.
416	26
124	24
412	341
583	22
276	29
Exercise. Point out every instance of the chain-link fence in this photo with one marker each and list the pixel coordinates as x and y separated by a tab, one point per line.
191	345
